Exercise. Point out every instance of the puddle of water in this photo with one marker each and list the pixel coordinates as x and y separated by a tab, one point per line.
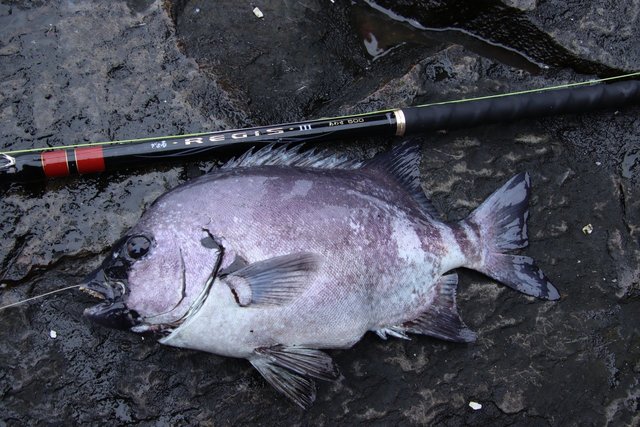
300	60
383	30
489	28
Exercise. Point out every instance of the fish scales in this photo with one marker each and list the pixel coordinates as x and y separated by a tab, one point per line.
282	253
350	294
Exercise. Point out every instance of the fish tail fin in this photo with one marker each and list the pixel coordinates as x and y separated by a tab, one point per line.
500	226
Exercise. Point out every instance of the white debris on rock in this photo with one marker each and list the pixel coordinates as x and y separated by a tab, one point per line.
53	334
475	406
587	229
258	12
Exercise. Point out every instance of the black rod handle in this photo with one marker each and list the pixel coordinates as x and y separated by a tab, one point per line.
520	106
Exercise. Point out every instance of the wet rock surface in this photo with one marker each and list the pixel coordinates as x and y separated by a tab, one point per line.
77	72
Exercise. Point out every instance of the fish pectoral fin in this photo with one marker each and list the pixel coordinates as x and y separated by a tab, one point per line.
274	281
441	318
290	370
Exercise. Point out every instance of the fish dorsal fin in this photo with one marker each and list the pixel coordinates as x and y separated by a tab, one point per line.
441	318
403	164
274	281
292	156
290	369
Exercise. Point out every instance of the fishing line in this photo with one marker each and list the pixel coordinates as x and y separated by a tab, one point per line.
538	90
37	297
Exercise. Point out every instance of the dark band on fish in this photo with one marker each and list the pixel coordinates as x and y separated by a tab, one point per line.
209	242
467	235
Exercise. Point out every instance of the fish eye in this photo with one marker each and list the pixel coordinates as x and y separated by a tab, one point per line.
138	246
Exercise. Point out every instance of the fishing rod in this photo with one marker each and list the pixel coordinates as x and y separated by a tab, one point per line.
51	162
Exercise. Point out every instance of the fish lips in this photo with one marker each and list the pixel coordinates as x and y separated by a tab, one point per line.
98	286
112	312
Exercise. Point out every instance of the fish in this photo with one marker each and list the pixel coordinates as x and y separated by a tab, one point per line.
283	253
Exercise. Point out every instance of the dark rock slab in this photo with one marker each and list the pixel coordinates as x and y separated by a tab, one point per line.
77	72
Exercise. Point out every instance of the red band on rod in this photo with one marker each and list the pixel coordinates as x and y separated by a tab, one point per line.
54	163
89	159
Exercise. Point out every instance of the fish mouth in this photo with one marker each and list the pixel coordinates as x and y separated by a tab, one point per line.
99	286
112	312
93	293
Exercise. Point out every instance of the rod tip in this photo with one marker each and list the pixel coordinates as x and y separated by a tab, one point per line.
6	162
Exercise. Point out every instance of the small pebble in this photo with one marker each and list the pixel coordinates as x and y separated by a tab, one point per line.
587	229
53	334
258	12
475	406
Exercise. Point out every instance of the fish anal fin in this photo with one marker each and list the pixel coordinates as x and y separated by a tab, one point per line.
290	370
441	319
393	331
274	281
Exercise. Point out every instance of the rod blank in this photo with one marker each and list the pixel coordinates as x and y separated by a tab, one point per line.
92	158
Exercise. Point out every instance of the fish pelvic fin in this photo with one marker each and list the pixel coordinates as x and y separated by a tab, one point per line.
499	226
291	370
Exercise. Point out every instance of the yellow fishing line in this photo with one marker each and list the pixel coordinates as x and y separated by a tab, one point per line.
544	89
456	101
